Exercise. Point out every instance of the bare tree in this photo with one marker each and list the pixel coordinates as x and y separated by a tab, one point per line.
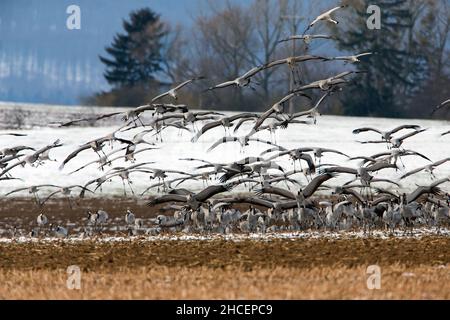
229	40
175	62
219	52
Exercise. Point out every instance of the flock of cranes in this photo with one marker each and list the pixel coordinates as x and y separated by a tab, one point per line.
276	197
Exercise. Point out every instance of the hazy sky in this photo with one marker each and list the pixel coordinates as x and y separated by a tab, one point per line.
42	61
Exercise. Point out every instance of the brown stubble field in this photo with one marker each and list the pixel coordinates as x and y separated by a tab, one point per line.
219	269
311	268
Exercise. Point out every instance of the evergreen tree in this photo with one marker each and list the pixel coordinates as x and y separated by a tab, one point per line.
136	55
394	71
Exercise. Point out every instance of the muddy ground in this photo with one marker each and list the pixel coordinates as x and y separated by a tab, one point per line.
220	269
20	214
298	253
320	268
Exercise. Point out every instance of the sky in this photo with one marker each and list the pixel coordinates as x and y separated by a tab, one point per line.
42	61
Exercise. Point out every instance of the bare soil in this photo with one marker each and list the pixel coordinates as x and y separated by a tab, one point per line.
215	269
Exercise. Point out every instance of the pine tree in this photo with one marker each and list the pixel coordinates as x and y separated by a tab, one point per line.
395	69
136	55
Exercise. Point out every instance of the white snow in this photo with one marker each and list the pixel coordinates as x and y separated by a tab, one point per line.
378	234
330	132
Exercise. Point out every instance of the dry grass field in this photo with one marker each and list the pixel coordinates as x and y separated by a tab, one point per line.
420	282
276	269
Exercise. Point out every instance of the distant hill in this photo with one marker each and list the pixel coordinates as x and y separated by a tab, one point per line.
42	61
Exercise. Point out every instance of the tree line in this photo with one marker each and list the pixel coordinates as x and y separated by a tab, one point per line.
406	76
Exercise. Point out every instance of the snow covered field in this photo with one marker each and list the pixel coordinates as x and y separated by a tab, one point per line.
330	132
